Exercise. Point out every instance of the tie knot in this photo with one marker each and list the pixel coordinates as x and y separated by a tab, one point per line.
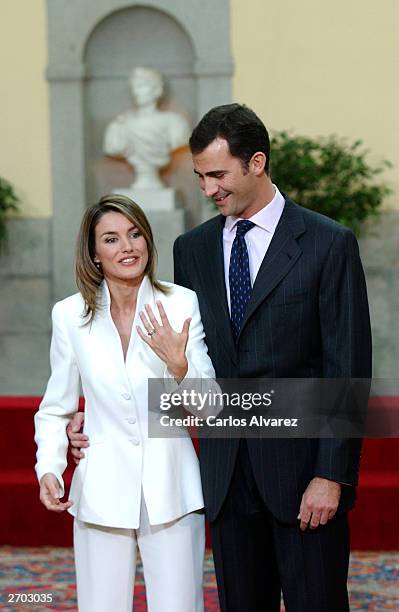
243	227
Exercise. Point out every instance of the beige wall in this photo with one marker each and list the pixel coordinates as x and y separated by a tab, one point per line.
24	126
320	67
314	66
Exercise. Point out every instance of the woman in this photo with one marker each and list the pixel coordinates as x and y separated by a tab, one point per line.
129	490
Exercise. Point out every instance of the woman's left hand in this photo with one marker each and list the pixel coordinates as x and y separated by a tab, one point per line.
170	346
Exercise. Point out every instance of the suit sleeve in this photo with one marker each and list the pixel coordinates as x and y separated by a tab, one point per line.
199	362
346	346
180	275
59	403
196	351
200	374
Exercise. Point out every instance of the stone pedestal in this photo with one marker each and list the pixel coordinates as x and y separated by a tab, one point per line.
166	226
163	199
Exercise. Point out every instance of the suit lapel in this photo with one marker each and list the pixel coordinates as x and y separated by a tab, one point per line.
281	255
210	264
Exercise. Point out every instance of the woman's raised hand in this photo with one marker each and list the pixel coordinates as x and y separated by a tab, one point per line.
169	345
50	494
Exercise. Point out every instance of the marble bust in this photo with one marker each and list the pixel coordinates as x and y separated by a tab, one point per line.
145	136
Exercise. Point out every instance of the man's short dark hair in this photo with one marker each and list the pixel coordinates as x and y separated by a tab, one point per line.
239	126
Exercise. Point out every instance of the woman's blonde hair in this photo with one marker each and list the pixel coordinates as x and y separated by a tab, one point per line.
88	275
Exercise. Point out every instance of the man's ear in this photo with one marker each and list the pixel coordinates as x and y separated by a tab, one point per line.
257	163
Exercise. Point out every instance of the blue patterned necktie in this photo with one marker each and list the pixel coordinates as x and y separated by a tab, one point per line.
239	277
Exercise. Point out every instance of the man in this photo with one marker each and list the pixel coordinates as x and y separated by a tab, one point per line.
306	316
282	294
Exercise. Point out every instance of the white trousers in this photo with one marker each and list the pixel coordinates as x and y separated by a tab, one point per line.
172	556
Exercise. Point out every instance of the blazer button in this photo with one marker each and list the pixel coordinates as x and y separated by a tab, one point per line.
135	441
131	420
126	396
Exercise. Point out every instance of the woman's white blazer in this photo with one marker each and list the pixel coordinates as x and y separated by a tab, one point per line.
122	462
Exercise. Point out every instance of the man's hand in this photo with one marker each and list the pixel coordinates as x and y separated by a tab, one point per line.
319	502
50	494
77	440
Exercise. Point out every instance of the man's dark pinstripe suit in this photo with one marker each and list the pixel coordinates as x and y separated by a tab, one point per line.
307	317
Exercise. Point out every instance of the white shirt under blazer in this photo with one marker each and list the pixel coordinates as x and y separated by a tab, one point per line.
122	462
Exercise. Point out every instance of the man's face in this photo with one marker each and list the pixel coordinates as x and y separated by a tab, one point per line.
223	178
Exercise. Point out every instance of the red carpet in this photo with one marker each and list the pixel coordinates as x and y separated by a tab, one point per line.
25	522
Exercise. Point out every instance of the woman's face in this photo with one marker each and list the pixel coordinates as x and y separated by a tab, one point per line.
120	248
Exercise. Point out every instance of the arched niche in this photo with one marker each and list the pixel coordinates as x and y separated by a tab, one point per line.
92	47
131	37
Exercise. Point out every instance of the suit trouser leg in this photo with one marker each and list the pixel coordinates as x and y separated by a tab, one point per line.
255	555
243	547
173	562
105	560
313	566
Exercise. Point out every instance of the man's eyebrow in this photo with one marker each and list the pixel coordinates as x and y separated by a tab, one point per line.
212	173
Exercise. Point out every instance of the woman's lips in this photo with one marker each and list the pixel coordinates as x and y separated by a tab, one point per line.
128	261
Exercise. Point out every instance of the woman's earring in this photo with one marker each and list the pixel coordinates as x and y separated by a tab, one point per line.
98	265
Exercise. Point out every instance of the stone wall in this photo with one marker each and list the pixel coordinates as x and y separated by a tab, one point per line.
379	247
25	298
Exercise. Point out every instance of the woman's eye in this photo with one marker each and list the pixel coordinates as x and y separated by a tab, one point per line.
108	240
135	235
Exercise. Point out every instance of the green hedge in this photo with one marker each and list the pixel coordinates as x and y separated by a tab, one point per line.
8	201
328	175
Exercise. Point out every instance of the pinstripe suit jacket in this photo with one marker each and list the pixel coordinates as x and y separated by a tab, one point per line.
307	317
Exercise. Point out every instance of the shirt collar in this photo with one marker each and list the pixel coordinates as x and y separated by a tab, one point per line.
266	218
144	293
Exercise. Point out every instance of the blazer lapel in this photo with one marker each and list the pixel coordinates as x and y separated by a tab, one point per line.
210	265
106	325
105	336
146	295
281	255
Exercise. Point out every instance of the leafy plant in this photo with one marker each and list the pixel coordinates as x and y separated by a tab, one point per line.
328	175
8	201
